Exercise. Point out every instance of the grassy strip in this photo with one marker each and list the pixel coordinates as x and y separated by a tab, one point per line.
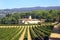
32	33
39	33
19	34
13	34
6	33
17	24
44	31
26	34
46	28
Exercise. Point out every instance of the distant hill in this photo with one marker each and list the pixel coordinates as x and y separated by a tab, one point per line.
6	11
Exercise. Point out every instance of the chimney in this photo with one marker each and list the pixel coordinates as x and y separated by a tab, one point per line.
30	17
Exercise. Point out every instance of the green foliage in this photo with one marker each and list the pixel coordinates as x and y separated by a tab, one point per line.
36	31
50	15
26	34
7	33
40	32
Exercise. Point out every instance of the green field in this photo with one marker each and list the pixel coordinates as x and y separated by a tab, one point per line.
14	32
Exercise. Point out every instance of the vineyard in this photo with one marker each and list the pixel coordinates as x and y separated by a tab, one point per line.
25	32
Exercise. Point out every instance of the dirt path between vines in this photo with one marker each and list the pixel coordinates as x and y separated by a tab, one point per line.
56	31
55	35
29	36
22	36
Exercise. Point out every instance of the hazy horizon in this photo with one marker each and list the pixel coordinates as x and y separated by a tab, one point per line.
9	4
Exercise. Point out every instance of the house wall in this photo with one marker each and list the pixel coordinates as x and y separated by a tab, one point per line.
33	22
20	22
29	22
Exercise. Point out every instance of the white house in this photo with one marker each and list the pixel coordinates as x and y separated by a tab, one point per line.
29	21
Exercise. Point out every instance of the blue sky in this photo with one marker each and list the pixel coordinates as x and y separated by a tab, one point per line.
8	4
